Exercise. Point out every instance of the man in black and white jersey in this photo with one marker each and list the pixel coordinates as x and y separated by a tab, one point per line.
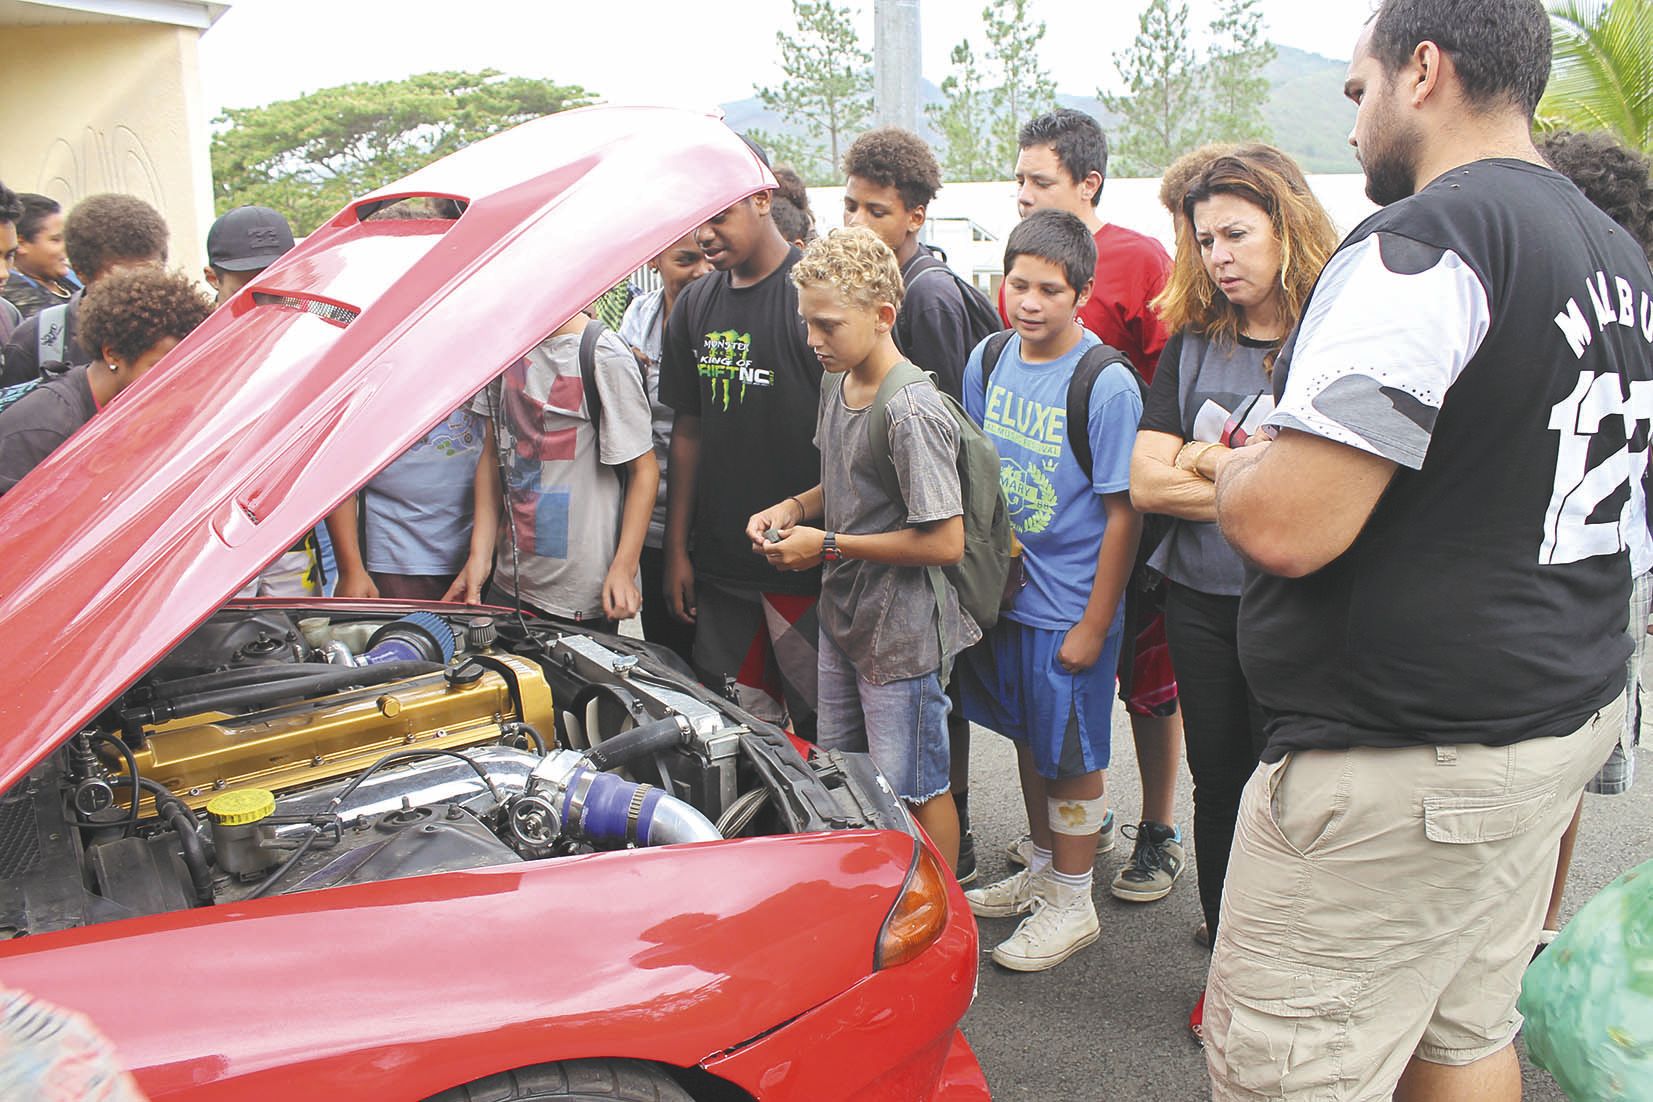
1435	621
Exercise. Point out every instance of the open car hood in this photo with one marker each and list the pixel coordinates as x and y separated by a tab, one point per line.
314	378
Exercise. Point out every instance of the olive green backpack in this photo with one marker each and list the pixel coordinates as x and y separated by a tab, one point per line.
988	576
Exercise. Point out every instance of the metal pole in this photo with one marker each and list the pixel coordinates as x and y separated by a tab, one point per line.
896	63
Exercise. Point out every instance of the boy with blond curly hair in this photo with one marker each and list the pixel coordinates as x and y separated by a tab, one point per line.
881	644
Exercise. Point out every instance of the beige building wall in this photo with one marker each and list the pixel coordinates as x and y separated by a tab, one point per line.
96	107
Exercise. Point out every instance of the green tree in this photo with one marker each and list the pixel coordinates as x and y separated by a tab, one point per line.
1162	109
1601	75
827	89
1024	89
1236	88
963	118
308	157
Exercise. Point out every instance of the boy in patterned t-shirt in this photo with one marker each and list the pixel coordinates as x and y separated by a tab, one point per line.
576	532
1045	677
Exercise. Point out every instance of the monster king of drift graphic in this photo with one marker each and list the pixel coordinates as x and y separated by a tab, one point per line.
725	359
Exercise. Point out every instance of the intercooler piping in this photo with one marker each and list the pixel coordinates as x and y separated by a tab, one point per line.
604	807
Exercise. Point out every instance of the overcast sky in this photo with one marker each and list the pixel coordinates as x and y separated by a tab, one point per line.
685	53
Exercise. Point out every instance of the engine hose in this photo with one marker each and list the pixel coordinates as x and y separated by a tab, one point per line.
639	742
241	675
245	697
131	760
176	813
527	732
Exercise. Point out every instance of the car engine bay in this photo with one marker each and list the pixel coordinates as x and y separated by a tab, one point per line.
279	750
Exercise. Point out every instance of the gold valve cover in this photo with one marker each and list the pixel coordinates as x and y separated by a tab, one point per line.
297	745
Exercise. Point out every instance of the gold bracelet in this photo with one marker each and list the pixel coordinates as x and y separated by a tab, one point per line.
1190	467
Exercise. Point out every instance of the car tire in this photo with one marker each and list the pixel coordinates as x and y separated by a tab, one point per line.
572	1081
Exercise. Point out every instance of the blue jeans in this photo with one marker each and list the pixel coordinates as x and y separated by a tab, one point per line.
903	724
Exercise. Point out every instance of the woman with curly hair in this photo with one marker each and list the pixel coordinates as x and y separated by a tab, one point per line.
1611	175
1250	243
131	319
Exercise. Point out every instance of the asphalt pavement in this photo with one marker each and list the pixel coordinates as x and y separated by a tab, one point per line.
1109	1024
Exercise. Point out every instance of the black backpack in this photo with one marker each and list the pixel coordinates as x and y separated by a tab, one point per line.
9	395
980	315
1096	359
594	328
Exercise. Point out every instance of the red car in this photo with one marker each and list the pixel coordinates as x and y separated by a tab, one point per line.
326	849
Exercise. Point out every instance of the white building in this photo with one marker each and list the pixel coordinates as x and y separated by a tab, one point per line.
105	95
969	222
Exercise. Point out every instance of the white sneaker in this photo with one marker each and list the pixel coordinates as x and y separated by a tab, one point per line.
1020	851
1006	898
1062	923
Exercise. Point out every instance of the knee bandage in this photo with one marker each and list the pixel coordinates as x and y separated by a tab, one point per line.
1076	818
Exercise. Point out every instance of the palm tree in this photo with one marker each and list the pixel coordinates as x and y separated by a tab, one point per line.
1602	70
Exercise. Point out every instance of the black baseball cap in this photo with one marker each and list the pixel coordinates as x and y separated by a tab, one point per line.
248	239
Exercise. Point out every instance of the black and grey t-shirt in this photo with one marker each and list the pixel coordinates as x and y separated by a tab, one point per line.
1493	336
933	327
1216	391
34	426
737	358
882	616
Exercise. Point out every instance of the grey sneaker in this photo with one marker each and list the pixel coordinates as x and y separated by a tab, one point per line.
967	859
1155	863
1063	921
1021	850
1008	897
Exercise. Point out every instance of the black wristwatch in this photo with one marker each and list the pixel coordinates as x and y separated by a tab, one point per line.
829	548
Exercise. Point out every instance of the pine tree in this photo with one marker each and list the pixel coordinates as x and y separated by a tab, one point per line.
1024	89
1236	86
963	119
827	88
1162	111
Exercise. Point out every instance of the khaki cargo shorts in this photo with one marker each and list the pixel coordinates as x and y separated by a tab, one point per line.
1385	902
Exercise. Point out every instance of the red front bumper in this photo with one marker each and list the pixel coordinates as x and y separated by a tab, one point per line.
892	1037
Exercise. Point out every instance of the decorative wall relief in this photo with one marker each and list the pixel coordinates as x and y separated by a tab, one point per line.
112	160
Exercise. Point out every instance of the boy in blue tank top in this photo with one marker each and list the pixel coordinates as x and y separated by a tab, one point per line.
1045	674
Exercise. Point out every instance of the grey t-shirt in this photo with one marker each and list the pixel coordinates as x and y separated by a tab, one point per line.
33	426
562	498
1216	391
885	616
644	328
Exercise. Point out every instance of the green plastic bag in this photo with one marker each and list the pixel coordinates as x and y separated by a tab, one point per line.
1588	998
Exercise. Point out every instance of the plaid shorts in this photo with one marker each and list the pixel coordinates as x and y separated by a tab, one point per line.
1619	772
1147	683
762	647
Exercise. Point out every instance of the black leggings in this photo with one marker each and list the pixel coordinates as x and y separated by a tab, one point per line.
1221	722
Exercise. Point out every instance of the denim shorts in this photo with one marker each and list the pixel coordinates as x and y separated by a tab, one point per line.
1619	771
903	724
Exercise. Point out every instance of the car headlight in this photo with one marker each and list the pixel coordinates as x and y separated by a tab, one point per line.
919	914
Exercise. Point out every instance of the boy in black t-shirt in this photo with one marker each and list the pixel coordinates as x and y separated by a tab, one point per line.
738	372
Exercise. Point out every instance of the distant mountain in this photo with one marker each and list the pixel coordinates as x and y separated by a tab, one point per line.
1306	110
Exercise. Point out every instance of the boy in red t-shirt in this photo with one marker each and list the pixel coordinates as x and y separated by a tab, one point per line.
1061	166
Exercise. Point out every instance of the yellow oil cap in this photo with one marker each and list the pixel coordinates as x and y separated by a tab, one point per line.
243	806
